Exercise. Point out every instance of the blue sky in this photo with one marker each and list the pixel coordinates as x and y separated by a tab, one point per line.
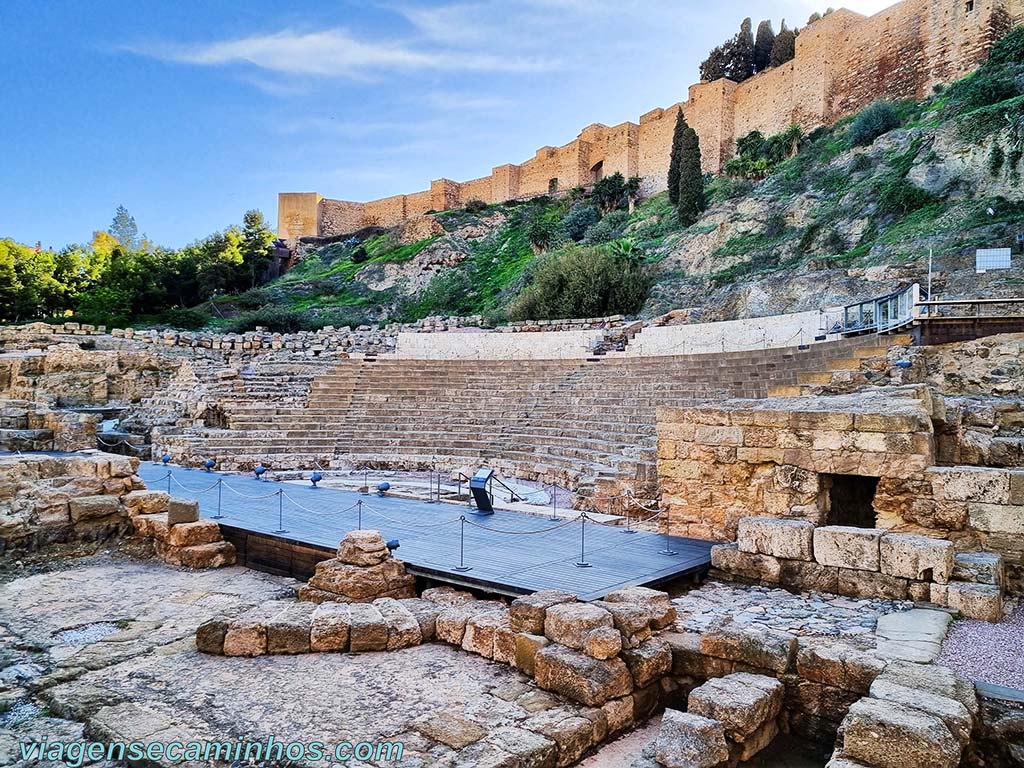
189	113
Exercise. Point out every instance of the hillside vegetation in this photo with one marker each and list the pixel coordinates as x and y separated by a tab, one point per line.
795	222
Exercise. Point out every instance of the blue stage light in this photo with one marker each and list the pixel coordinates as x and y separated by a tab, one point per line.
259	471
209	464
316	478
383	488
166	459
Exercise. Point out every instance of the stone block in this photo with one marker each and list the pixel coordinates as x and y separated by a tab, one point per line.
152	526
629	619
687	740
451	729
758	568
839	665
756	648
975	601
451	621
329	628
823	701
363	548
979	568
146	502
527	612
847	547
658	604
201	556
689	661
581	678
246	635
447	595
523	747
933	678
527	646
426	612
367	629
954	714
193	534
871	584
88	508
505	642
787	539
742	702
755	743
480	633
648	662
888	735
572	734
922	558
619	713
570	623
403	628
603	643
808	577
210	636
182	511
977	484
288	631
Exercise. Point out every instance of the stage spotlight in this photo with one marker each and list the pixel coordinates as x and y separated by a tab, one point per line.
383	488
316	478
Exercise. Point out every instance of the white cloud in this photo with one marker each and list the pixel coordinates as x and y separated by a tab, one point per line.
337	53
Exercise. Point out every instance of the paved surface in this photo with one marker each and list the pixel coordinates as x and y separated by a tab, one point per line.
515	552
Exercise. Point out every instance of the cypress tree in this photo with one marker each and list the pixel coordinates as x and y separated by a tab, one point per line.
691	179
763	45
784	48
742	65
675	159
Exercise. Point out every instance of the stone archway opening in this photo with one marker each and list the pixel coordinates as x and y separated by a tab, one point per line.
597	172
850	500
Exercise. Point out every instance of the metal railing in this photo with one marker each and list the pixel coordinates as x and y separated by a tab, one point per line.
882	314
970	309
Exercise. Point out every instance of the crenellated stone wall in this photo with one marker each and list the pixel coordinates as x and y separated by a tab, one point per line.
843	62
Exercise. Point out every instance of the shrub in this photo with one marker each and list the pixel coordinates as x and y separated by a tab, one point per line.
899	196
583	282
607	229
1009	50
835	242
475	206
274	319
545	230
996	158
774	226
184	319
254	298
579	218
359	254
873	121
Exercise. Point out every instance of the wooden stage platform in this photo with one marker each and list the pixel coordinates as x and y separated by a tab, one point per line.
286	528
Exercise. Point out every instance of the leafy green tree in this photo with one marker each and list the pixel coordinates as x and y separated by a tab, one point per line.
763	44
10	286
257	246
784	47
691	179
610	192
124	229
733	59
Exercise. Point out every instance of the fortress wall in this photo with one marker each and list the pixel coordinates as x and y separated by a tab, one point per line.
764	103
478	189
654	145
884	58
843	62
297	214
338	217
419	203
385	212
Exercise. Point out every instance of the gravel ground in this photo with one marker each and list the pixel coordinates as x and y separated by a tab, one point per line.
986	652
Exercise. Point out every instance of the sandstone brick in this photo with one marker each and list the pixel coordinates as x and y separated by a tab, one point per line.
788	539
742	702
687	740
759	568
979	568
689	661
210	636
146	502
527	612
527	646
288	631
869	584
848	547
839	665
650	661
329	628
192	534
182	511
916	557
581	678
403	627
889	735
88	508
954	714
367	629
603	643
570	623
658	604
975	601
755	648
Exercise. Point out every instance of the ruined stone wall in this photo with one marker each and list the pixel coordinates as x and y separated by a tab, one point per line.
843	62
339	217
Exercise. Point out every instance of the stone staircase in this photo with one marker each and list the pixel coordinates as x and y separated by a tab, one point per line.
587	424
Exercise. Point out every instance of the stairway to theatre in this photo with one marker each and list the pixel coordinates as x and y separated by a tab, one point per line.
587	424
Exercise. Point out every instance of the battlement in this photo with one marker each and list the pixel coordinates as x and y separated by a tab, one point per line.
843	62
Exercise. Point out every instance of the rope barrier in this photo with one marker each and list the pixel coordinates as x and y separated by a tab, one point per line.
373	511
581	516
247	496
193	490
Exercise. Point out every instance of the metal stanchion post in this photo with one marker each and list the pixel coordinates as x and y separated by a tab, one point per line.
280	513
583	543
430	488
359	512
629	519
462	567
220	490
168	482
668	545
554	502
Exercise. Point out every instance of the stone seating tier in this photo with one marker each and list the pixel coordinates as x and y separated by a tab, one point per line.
578	422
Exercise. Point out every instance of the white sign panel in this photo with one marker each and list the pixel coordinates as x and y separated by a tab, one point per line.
992	258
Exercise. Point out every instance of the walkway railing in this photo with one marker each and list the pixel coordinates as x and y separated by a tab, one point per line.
277	499
883	314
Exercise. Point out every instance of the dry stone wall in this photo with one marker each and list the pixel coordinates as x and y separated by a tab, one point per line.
843	62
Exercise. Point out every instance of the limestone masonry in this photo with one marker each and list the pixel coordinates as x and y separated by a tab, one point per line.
843	62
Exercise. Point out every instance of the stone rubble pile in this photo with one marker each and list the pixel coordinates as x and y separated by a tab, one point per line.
97	496
362	572
728	721
864	563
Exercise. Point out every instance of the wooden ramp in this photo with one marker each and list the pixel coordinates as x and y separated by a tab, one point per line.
286	528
